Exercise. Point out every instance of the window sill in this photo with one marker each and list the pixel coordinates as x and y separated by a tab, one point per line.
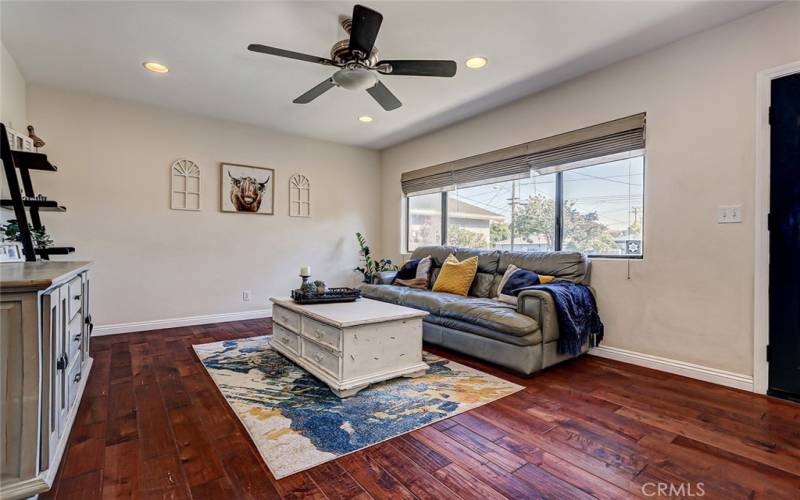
616	257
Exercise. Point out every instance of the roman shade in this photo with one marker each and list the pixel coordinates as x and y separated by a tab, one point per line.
587	146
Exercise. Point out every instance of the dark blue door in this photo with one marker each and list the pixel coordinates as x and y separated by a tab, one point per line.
784	242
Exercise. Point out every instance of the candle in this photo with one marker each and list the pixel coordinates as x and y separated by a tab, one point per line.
305	271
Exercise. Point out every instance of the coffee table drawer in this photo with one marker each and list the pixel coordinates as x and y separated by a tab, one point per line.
288	319
322	333
286	338
321	357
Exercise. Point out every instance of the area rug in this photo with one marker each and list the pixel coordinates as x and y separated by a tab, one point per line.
297	423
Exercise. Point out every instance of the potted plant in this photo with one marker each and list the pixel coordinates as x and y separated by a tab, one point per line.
371	266
39	236
320	286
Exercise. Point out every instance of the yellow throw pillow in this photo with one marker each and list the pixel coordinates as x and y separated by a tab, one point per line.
456	277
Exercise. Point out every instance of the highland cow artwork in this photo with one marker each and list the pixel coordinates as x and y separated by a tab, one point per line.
246	189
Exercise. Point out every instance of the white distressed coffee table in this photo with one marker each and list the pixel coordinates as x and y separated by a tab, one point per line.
350	345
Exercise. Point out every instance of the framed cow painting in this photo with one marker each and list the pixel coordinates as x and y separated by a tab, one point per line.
246	189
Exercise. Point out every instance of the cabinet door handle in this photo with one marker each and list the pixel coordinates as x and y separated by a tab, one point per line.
77	377
76	338
61	362
77	297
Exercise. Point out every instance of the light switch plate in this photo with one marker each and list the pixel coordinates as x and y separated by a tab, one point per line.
729	214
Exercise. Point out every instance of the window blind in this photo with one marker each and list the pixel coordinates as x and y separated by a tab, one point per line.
583	147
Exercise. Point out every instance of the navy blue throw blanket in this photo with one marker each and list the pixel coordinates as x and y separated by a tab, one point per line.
576	311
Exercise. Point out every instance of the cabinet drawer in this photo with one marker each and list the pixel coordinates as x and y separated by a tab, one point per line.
286	338
288	319
322	333
75	290
72	382
321	357
74	337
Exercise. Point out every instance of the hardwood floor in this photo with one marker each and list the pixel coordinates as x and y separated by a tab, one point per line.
153	425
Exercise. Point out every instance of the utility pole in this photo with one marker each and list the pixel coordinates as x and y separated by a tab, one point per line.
513	202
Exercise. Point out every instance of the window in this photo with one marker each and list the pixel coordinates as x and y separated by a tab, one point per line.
595	209
424	220
602	209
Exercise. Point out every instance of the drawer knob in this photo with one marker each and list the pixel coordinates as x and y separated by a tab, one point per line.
318	333
318	356
284	319
77	297
61	362
284	340
76	338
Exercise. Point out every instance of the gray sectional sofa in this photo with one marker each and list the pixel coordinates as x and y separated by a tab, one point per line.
522	338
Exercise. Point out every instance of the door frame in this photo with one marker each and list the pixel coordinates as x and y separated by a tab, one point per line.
761	233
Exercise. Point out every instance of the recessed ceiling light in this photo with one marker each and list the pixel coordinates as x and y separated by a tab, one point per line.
155	67
476	62
365	119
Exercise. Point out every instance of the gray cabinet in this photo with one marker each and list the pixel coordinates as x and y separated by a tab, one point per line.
45	327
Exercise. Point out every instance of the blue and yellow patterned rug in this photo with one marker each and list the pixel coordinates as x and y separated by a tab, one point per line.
297	422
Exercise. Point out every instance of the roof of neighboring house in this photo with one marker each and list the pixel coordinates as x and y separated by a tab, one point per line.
456	208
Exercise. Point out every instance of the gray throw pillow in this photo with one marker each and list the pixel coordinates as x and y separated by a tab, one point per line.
424	269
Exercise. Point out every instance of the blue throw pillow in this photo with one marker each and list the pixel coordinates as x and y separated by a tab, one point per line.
521	278
408	271
515	279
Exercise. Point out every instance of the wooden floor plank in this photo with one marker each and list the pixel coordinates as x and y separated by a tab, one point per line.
152	424
373	478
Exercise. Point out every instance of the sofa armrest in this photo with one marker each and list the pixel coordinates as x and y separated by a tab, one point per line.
540	306
383	277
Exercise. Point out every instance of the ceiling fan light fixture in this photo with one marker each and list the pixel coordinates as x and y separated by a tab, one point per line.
365	119
355	78
155	67
476	62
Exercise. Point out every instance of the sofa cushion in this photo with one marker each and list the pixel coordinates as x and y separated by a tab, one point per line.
570	266
491	314
483	312
385	293
534	338
488	260
482	285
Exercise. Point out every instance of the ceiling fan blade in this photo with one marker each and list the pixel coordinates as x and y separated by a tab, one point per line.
273	51
315	92
384	96
366	23
419	68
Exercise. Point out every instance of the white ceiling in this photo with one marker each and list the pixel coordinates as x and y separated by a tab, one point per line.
98	47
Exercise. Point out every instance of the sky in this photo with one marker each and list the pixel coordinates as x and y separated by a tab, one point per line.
613	189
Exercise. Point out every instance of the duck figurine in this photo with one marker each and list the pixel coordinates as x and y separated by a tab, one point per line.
37	141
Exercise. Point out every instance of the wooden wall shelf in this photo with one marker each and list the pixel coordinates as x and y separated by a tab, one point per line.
32	161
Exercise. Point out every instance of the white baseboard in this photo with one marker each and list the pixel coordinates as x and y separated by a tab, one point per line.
157	324
691	370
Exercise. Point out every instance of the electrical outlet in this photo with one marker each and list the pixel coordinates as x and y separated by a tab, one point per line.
246	296
729	214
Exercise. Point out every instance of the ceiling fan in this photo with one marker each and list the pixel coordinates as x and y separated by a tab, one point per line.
358	60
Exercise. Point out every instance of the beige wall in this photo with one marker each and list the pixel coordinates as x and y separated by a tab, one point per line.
13	111
154	263
12	93
691	298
